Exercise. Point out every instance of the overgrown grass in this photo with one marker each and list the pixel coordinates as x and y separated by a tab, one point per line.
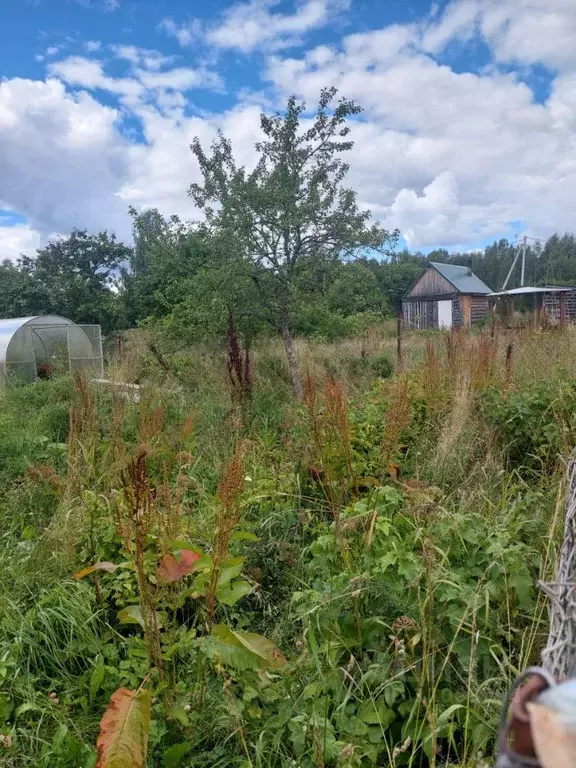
386	535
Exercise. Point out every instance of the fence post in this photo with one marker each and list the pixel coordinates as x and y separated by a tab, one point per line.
399	357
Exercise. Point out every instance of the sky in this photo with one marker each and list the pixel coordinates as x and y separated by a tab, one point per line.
468	132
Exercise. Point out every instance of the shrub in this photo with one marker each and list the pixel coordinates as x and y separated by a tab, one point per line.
377	365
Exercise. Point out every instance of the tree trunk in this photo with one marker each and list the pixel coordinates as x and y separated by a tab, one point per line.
292	361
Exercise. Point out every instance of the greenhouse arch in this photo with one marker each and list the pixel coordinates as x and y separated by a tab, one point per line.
29	345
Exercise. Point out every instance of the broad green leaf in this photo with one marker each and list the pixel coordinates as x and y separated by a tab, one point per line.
178	712
376	713
246	650
176	565
230	594
244	536
6	706
96	680
104	566
124	730
173	756
230	569
132	614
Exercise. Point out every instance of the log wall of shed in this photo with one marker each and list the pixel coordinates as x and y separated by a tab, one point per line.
479	309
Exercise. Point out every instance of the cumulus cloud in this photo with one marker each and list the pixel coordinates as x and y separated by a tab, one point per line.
256	24
142	57
89	73
525	31
449	157
17	240
438	215
62	159
102	5
144	80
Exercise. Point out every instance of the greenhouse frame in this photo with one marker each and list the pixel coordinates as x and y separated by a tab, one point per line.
29	346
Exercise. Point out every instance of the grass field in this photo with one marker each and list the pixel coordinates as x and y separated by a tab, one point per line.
349	581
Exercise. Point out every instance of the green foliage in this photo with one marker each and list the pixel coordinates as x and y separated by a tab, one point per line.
380	366
316	601
536	424
75	274
289	219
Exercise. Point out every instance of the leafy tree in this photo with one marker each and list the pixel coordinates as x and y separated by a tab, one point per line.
78	275
21	294
291	214
354	289
167	253
396	274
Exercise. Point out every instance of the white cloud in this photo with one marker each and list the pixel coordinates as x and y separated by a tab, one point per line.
162	170
91	46
247	26
142	57
437	216
89	73
521	31
17	240
448	157
142	85
179	79
62	159
185	33
103	5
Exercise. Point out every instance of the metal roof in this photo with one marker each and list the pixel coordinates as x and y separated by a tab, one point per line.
528	291
462	278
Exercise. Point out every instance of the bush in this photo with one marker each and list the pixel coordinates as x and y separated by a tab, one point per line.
377	365
533	425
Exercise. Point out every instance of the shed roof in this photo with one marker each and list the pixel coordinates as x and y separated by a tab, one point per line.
529	291
462	278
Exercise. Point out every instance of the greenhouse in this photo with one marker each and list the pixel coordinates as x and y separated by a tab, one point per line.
40	346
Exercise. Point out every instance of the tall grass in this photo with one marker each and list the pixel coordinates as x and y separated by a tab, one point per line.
391	528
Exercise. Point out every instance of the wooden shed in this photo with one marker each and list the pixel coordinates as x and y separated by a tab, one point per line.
445	296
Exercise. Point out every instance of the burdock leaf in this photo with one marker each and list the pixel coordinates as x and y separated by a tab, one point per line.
124	730
176	565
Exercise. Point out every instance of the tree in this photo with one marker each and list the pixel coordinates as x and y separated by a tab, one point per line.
167	253
78	275
21	294
291	214
396	274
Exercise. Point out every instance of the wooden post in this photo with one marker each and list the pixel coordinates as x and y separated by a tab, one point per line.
539	309
399	358
562	310
119	346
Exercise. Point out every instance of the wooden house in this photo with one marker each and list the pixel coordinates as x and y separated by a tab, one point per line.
445	296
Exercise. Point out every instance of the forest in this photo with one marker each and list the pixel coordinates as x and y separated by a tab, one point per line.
294	542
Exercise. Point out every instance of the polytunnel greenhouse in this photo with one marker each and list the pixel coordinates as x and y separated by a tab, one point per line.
33	346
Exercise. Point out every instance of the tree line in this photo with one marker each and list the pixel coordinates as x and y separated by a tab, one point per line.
283	248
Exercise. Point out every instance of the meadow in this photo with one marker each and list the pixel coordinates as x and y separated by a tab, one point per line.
345	581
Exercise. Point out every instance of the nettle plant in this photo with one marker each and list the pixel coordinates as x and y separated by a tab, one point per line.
175	591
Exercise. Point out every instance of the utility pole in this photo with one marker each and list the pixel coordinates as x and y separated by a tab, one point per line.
509	275
524	241
521	249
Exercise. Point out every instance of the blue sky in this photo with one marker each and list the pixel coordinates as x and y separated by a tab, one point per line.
468	132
